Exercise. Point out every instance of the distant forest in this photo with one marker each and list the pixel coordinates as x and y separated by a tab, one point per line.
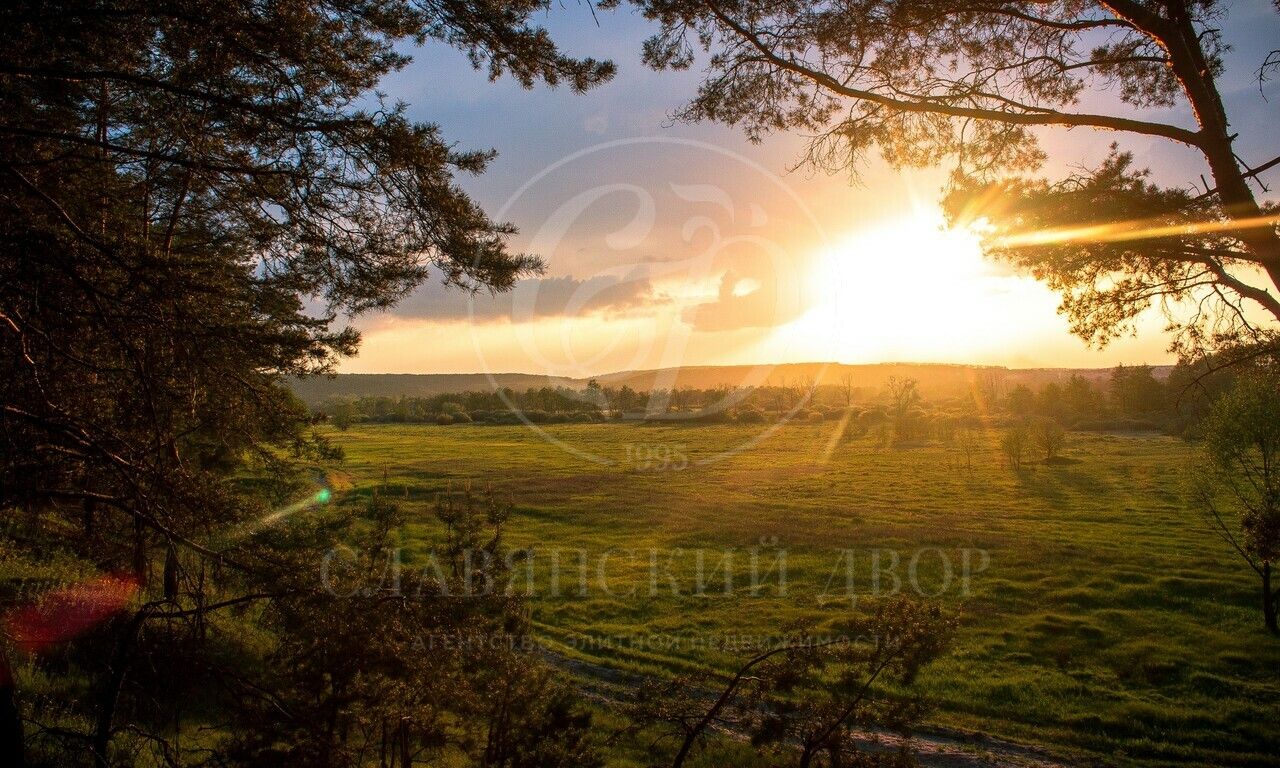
934	380
1130	398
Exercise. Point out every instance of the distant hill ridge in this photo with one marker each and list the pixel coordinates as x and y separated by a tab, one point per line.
935	379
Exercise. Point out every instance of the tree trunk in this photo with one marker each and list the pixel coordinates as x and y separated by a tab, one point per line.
1193	70
110	695
11	741
406	757
806	756
1268	600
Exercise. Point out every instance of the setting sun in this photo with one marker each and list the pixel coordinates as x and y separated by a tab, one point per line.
913	289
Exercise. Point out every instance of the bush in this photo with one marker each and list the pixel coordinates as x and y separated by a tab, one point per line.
444	419
749	415
871	417
461	417
714	416
814	415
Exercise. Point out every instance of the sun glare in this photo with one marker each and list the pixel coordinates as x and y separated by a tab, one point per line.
912	289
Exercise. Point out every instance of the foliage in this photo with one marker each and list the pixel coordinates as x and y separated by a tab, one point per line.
1241	476
813	693
192	197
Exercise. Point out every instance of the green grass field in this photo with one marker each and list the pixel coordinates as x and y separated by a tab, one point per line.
1110	621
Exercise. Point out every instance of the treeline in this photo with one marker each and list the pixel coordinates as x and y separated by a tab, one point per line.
1132	399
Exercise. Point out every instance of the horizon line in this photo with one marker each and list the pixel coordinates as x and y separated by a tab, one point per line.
744	365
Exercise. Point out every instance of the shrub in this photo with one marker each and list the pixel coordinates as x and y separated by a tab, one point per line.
714	416
814	415
872	417
750	415
444	419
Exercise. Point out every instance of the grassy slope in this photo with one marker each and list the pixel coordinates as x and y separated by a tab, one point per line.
1109	620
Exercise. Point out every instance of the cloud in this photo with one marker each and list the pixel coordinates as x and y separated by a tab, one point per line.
535	299
748	299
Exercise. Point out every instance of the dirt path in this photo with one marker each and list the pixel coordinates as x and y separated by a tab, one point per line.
936	747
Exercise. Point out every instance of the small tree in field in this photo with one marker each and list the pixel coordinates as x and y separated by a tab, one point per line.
1048	436
967	439
903	396
1241	477
343	414
1014	444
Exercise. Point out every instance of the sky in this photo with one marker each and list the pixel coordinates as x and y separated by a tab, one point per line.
672	244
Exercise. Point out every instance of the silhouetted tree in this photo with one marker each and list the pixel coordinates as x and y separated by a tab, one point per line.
191	197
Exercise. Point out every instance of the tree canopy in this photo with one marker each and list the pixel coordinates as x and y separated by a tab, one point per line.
193	198
977	85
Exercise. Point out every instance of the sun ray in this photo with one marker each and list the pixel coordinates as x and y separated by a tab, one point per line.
1123	231
834	440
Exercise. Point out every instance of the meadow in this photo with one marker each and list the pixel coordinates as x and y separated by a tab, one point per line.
1100	617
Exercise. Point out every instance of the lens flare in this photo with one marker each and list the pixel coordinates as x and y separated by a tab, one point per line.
1123	231
65	613
317	499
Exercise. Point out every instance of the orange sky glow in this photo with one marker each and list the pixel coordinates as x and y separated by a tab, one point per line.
670	244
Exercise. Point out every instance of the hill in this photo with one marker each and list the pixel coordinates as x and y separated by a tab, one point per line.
316	389
936	380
